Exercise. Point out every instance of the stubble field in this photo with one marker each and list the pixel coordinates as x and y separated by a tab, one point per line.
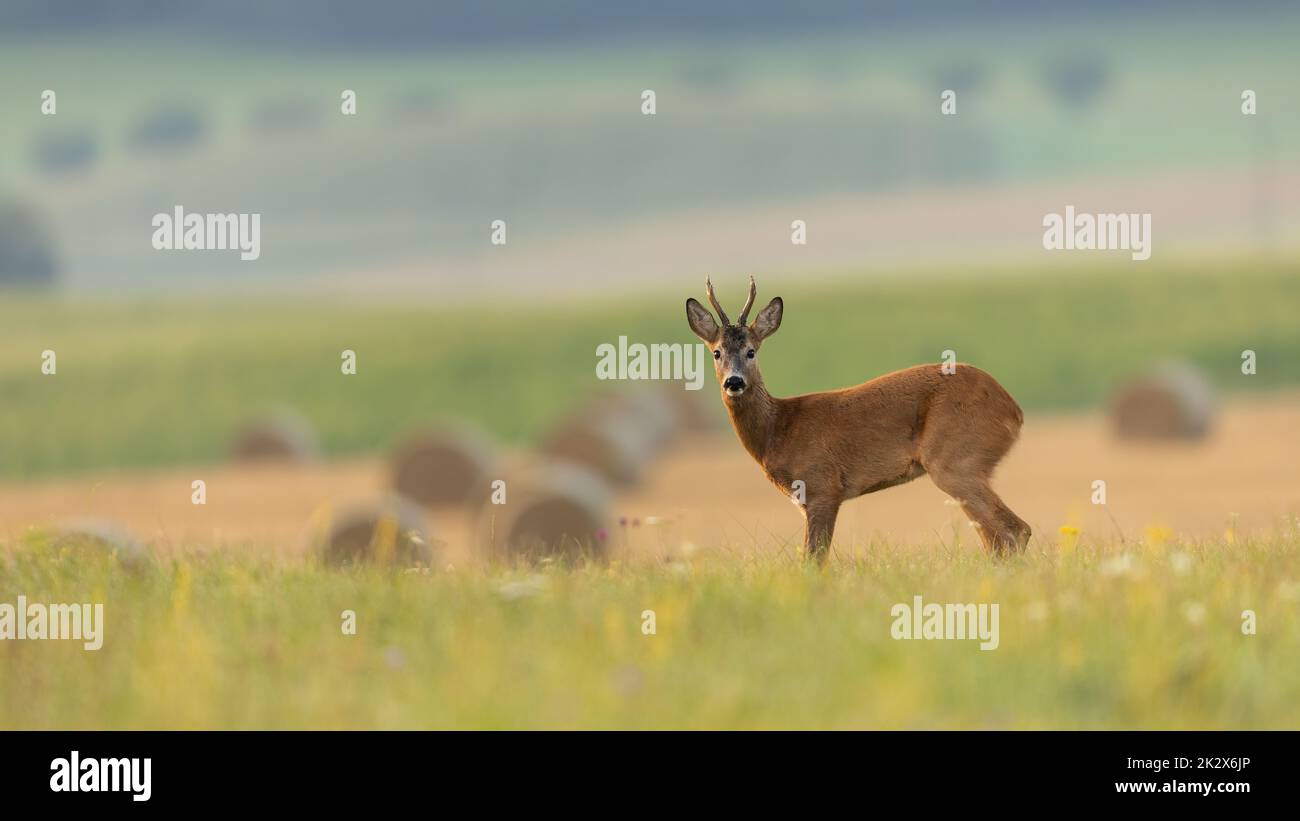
1129	614
1135	620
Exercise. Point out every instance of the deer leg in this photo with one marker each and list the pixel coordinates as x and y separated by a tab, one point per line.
1001	530
1013	532
820	518
1016	527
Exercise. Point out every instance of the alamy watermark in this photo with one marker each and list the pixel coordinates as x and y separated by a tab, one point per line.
77	774
1098	232
179	231
954	622
676	361
53	622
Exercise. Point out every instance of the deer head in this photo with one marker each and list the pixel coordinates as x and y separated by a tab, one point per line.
735	347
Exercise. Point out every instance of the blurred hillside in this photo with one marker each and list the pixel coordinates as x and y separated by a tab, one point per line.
392	23
834	121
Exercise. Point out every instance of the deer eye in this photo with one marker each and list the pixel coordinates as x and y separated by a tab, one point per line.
717	354
750	354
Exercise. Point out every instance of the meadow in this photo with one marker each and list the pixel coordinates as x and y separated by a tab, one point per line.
1092	635
158	383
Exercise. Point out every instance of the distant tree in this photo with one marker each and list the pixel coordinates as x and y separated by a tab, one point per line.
27	256
963	75
171	126
708	76
65	151
1078	80
285	114
423	103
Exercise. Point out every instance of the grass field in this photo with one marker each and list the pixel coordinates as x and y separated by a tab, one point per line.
239	631
165	383
1090	636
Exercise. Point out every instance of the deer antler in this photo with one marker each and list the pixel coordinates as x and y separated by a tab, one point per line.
749	303
713	300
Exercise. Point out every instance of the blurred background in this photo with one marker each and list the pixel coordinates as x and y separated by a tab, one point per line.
471	112
924	231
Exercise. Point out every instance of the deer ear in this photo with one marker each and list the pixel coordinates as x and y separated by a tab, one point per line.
768	319
701	321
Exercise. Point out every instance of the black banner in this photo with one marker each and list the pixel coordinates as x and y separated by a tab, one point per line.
332	770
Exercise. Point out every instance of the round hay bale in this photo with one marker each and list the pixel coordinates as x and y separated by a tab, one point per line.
107	537
663	413
556	510
697	411
281	436
445	467
616	446
1172	402
651	409
389	532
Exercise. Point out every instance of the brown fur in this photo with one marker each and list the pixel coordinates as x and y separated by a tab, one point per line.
849	442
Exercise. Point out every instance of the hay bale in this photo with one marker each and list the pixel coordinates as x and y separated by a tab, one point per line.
654	409
647	407
280	436
390	532
1173	401
556	510
444	467
107	537
697	411
616	446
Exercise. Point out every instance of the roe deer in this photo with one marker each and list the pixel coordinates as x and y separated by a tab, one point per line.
849	442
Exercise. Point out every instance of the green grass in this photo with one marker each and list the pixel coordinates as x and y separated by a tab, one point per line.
142	385
1089	638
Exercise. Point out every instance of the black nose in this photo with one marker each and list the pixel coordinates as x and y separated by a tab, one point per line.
734	383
